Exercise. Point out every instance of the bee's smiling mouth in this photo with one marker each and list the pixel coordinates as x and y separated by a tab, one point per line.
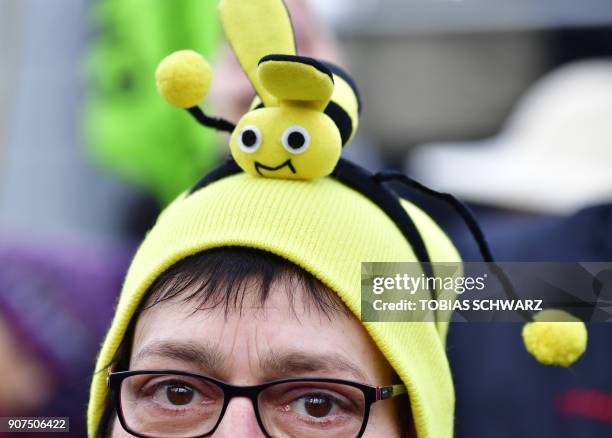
287	163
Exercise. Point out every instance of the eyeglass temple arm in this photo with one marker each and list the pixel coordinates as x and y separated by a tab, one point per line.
385	392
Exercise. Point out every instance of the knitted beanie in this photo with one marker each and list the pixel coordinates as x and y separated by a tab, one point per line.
324	227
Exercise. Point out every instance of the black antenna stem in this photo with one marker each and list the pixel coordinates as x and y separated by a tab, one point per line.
468	219
217	123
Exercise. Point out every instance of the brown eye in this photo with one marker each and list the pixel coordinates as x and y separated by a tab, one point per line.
317	405
179	395
249	139
296	139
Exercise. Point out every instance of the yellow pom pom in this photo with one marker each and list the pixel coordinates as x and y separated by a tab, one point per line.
183	78
555	337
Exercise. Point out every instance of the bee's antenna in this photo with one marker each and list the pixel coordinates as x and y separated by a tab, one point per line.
219	124
470	221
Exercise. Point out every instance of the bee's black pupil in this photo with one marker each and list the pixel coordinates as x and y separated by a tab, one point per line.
249	138
296	140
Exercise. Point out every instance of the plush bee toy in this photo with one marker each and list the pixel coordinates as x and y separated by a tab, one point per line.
305	113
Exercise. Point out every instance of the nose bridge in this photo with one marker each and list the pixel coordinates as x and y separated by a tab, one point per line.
239	418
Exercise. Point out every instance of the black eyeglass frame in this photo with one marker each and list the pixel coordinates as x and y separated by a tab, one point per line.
372	394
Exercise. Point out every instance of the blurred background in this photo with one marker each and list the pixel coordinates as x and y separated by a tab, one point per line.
506	103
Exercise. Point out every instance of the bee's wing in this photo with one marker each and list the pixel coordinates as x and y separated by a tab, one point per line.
306	82
297	79
256	28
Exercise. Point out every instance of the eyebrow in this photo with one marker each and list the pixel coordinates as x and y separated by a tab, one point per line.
295	363
204	356
276	365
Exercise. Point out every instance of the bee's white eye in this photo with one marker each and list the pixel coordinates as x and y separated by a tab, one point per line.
296	139
249	139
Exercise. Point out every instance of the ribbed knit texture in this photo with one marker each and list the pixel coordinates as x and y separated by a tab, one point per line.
326	228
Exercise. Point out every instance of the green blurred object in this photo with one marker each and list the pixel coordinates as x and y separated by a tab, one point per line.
129	129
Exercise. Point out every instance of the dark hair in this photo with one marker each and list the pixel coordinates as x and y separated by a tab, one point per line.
222	278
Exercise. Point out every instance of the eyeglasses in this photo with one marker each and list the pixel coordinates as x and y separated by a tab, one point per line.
176	404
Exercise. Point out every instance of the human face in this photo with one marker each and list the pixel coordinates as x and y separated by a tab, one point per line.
278	340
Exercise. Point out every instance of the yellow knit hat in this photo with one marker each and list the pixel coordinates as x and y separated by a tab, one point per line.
326	228
287	191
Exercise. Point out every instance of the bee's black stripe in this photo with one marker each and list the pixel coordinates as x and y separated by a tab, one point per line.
338	71
341	119
300	60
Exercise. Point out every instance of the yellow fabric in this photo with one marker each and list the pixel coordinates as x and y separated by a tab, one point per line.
555	337
324	227
342	95
345	97
256	102
256	29
318	160
183	78
440	249
296	81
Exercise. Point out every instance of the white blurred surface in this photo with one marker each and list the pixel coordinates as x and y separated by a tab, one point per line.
553	156
430	16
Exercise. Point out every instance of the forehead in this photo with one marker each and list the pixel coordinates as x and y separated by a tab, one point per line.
243	338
